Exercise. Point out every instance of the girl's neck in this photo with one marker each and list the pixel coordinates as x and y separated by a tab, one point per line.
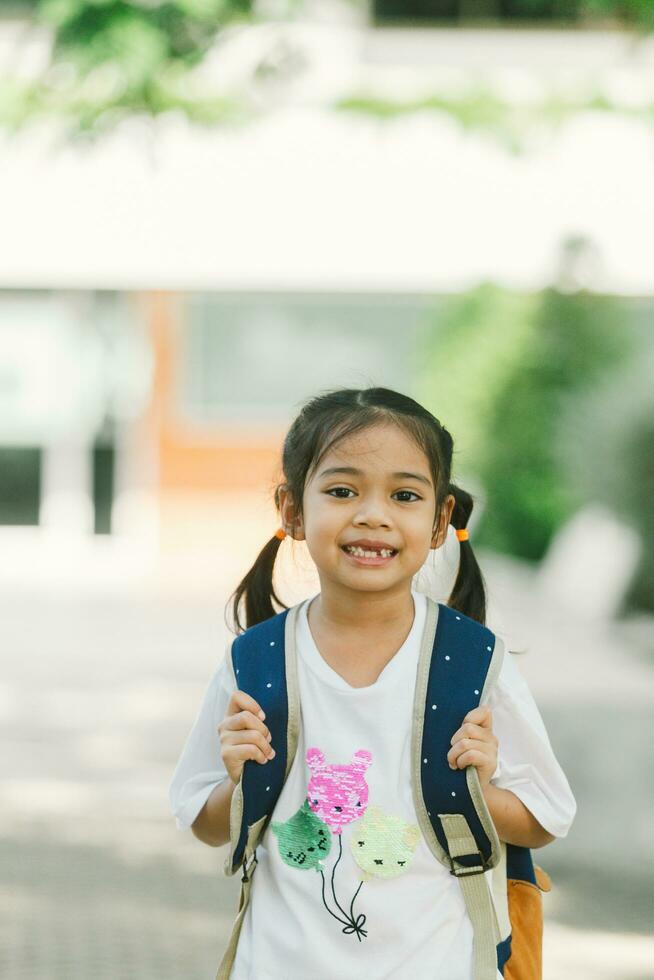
357	635
345	610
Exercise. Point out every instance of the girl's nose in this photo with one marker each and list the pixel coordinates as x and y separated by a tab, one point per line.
372	516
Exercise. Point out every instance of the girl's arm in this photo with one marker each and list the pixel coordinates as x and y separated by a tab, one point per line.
243	736
211	825
514	823
475	744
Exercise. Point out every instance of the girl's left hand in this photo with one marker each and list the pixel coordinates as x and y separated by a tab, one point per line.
474	744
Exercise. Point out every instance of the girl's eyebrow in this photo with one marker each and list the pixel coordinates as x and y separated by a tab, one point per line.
355	472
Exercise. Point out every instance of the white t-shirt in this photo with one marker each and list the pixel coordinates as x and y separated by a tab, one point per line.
306	919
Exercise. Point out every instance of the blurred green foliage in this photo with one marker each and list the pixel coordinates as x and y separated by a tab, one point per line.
636	454
631	13
472	346
115	58
547	400
608	442
575	340
637	14
137	35
112	59
515	126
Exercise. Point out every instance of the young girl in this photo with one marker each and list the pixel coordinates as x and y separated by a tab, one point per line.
367	485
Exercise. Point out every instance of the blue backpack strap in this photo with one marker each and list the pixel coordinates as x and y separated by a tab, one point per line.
459	663
263	658
464	665
265	667
519	864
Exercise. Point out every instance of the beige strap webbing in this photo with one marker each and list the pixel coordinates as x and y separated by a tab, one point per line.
476	895
227	961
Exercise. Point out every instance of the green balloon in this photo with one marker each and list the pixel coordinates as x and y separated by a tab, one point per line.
304	840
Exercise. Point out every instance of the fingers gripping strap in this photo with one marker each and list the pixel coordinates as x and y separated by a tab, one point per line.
476	895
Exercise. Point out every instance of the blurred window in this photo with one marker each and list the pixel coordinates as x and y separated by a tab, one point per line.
103	486
254	359
20	484
460	11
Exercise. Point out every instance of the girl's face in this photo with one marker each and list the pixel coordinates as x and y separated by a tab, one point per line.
373	491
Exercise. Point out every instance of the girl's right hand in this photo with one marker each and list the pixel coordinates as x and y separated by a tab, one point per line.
243	735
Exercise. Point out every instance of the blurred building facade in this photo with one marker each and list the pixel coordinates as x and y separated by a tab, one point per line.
156	338
157	417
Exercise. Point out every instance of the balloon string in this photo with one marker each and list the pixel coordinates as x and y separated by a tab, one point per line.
351	924
340	855
360	920
324	902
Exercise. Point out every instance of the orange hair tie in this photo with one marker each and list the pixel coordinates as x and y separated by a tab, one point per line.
280	533
462	534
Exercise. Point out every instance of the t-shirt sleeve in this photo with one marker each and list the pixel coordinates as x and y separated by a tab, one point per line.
200	767
526	762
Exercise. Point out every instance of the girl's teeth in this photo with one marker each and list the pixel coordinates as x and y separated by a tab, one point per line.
360	553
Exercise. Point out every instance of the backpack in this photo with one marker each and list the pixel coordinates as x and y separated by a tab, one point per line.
459	662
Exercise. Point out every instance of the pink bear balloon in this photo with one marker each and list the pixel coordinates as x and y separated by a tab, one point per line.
338	794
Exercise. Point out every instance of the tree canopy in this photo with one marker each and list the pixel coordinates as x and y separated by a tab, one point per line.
111	59
115	58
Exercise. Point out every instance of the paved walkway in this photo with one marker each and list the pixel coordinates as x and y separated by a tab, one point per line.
96	699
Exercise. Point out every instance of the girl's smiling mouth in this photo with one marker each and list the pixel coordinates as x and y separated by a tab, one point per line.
369	553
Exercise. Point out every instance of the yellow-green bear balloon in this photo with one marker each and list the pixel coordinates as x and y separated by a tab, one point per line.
383	845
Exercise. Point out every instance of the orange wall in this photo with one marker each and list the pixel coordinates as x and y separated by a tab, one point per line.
193	459
214	467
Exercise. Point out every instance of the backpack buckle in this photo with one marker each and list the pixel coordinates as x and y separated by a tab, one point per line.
249	867
463	871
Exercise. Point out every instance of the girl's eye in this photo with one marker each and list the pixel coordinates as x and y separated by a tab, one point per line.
334	490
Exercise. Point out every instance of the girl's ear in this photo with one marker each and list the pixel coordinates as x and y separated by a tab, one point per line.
291	521
440	532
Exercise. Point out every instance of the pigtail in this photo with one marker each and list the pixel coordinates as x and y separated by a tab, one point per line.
257	589
469	592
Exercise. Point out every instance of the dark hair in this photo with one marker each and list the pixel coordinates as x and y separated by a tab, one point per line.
324	421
